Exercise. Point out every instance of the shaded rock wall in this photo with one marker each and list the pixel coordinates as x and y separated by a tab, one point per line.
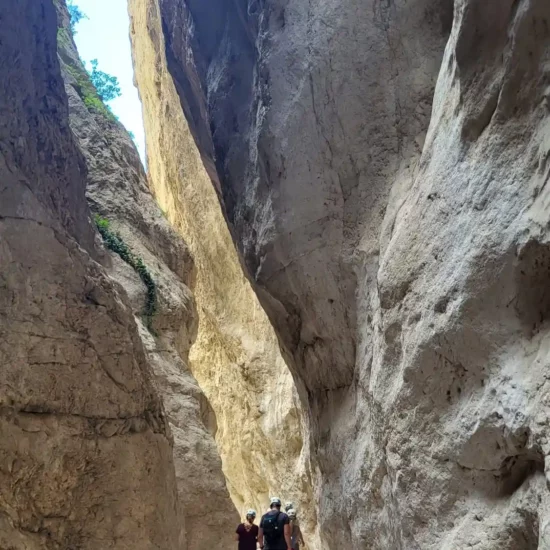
85	447
383	168
117	191
236	357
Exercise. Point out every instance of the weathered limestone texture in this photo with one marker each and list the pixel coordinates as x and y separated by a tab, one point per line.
117	191
85	448
383	168
236	357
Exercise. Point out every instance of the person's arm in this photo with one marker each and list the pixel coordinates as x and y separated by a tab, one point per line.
261	533
261	537
237	534
287	532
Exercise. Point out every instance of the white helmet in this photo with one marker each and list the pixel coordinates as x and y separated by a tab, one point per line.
292	513
251	513
275	501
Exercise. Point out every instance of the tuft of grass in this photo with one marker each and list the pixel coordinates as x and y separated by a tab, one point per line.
113	241
63	38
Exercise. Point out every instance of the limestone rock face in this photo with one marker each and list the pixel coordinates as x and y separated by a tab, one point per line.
259	425
117	191
383	168
85	447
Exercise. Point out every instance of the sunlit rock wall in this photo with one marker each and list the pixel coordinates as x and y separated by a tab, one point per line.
117	191
236	358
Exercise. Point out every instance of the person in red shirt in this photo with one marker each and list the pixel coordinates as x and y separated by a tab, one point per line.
247	532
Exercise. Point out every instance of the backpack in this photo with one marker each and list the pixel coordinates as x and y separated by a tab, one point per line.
273	531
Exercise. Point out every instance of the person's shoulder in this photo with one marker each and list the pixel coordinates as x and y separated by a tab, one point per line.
284	517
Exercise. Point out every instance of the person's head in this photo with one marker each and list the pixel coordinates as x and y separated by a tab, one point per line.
289	506
251	516
291	514
275	503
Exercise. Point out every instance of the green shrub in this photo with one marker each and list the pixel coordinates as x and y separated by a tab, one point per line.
113	241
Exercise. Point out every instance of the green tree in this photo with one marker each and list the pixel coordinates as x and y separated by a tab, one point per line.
107	86
76	15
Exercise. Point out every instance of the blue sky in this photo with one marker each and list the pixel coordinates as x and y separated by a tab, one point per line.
105	36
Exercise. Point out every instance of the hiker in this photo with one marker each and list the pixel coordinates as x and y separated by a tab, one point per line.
247	532
296	538
275	528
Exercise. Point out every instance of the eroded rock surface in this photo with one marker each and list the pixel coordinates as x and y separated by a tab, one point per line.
236	358
85	447
117	192
383	167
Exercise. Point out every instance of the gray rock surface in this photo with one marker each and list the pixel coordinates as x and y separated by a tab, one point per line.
85	447
382	166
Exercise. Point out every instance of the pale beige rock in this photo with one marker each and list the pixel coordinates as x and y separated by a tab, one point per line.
236	357
85	448
400	252
117	190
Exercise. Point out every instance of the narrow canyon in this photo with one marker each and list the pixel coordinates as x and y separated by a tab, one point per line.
332	283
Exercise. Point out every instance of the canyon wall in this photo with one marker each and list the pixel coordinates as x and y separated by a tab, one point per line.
379	169
118	194
382	167
85	446
236	358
